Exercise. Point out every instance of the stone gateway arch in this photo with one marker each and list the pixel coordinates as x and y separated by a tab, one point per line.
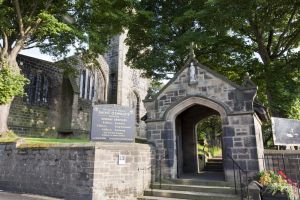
194	93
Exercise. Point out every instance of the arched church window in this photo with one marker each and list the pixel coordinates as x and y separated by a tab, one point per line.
38	88
134	102
87	84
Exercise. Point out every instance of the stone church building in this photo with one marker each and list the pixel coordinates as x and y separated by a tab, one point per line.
57	102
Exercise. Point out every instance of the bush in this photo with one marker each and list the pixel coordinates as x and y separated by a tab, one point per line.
11	84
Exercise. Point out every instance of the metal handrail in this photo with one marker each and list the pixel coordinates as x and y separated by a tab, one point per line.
153	166
161	157
241	173
274	163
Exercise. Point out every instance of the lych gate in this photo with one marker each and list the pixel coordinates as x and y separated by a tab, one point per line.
195	93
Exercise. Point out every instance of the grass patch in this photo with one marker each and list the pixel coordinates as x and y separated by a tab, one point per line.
9	137
54	140
49	142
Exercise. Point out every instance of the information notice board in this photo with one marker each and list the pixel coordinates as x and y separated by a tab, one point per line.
286	131
113	123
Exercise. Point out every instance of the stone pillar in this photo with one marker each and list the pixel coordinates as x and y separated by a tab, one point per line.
242	142
162	135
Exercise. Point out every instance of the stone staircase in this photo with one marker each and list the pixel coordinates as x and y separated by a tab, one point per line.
191	189
214	165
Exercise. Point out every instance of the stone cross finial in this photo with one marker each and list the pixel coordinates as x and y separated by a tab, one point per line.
192	53
247	81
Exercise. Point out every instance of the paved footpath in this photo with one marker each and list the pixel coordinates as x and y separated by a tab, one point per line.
14	196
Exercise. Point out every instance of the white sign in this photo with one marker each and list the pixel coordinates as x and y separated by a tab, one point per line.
286	131
122	159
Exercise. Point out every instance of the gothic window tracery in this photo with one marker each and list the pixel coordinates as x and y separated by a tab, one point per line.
37	91
92	85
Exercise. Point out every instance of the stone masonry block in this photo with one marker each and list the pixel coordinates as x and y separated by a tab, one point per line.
228	141
228	131
250	141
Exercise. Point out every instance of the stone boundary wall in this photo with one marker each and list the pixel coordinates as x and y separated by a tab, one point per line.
77	172
285	160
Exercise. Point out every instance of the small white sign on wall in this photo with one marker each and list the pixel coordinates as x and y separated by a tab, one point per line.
122	159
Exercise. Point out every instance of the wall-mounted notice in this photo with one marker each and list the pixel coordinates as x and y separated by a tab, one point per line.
286	131
113	123
122	159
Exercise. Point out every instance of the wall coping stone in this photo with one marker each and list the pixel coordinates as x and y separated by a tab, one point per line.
90	145
271	151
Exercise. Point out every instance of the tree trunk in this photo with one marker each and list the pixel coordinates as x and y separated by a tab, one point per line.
4	111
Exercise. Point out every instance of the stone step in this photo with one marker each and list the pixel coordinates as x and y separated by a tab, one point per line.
212	170
195	188
157	198
190	195
214	164
215	160
187	181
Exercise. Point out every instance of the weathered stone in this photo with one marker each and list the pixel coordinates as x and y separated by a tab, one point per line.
167	135
228	131
250	142
228	142
238	144
88	172
168	125
252	165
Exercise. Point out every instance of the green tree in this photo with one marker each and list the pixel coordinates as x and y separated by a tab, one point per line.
210	129
53	26
233	37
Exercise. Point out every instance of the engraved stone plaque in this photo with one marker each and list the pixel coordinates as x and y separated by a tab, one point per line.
113	123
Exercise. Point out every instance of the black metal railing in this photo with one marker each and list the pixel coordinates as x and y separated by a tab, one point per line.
146	169
289	165
241	181
153	166
160	160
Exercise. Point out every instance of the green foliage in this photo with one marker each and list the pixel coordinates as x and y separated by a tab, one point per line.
209	129
54	140
11	85
294	111
54	26
209	151
232	38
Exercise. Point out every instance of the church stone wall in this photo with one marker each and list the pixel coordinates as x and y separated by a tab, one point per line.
67	111
126	84
36	118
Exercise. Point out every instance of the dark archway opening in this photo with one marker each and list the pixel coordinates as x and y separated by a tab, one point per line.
66	109
187	138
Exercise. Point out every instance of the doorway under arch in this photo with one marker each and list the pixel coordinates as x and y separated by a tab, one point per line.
186	137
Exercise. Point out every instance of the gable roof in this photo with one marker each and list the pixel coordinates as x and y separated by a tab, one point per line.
186	65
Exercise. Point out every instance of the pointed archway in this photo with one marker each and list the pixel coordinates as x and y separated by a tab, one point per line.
197	90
